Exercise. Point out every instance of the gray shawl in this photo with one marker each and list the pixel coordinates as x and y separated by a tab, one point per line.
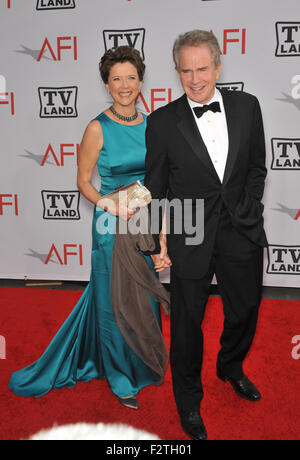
132	280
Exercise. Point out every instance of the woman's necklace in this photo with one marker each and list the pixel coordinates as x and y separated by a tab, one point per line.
122	117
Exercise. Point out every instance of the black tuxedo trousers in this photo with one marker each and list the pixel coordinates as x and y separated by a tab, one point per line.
237	263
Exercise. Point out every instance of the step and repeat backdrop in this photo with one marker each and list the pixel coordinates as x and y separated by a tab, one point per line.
50	90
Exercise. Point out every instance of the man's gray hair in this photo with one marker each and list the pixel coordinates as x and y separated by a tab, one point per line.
195	38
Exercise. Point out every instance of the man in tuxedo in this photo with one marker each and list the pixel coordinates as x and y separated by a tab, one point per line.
209	144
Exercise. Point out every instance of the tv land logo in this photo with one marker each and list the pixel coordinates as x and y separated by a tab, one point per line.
128	37
60	205
58	102
55	4
234	86
9	204
283	260
288	39
50	4
285	154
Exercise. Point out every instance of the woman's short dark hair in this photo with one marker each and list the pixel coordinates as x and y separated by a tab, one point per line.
119	55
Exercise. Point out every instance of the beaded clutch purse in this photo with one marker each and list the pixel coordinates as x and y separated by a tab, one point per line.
135	195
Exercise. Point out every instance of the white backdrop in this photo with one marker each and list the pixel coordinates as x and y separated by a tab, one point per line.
50	90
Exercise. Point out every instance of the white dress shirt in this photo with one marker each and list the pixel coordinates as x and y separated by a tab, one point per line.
214	132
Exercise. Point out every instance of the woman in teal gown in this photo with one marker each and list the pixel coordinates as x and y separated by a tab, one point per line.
89	344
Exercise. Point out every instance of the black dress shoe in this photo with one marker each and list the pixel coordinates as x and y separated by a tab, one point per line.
243	387
131	402
193	426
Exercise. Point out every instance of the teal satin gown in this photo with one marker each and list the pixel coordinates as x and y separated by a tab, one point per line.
89	344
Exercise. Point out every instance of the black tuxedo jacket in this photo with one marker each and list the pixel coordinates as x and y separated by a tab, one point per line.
178	166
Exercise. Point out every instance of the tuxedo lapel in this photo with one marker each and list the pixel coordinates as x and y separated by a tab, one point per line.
233	133
190	131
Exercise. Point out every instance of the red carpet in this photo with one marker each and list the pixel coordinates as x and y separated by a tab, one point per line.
30	317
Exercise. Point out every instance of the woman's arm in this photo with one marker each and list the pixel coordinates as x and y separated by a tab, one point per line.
90	147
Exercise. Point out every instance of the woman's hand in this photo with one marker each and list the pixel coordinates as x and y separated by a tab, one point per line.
162	260
116	209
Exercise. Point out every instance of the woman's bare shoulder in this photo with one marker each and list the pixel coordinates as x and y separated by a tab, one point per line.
94	127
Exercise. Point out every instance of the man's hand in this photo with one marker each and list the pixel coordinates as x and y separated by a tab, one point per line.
162	260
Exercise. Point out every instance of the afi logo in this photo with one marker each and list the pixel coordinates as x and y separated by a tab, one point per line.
288	39
63	258
61	205
55	4
286	154
165	95
58	102
234	86
60	157
131	37
70	44
284	260
233	36
11	201
293	213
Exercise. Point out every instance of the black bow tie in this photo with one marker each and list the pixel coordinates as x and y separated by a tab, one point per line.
214	107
